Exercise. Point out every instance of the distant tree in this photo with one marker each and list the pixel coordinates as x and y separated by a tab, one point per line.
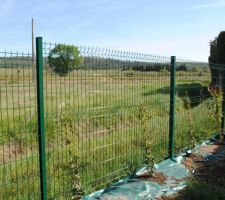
64	58
182	68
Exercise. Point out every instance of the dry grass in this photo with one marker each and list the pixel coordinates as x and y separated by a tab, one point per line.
105	106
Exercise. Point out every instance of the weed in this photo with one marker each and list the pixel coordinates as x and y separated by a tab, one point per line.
132	169
145	119
191	136
74	157
164	71
215	106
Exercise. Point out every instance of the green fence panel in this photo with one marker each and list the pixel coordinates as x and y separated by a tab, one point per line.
198	103
19	155
97	110
109	101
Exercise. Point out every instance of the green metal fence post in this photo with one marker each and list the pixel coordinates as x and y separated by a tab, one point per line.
172	106
223	103
40	110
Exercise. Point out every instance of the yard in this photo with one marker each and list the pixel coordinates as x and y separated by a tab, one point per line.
104	109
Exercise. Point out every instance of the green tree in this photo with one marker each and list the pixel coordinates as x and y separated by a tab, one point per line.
217	55
213	50
64	58
217	49
182	67
221	48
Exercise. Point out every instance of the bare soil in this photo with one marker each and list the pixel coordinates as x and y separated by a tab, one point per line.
13	151
209	172
215	148
159	178
174	197
10	151
191	161
115	198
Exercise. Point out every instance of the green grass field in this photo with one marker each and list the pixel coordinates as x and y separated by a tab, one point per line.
106	108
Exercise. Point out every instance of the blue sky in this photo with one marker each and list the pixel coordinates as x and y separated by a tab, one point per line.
165	27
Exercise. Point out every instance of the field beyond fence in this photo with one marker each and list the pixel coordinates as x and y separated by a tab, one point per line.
99	114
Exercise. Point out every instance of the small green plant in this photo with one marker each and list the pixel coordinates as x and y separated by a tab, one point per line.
132	169
164	71
200	73
74	157
144	117
215	106
191	135
149	159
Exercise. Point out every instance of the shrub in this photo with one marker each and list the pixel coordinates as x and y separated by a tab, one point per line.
215	105
74	160
195	69
64	58
145	116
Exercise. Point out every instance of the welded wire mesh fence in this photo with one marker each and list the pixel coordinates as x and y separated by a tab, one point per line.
199	89
19	165
105	100
98	115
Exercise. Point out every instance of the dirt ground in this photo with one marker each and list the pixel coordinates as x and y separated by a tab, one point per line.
210	174
159	178
11	151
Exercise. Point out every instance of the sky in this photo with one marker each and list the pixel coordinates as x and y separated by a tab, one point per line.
161	27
